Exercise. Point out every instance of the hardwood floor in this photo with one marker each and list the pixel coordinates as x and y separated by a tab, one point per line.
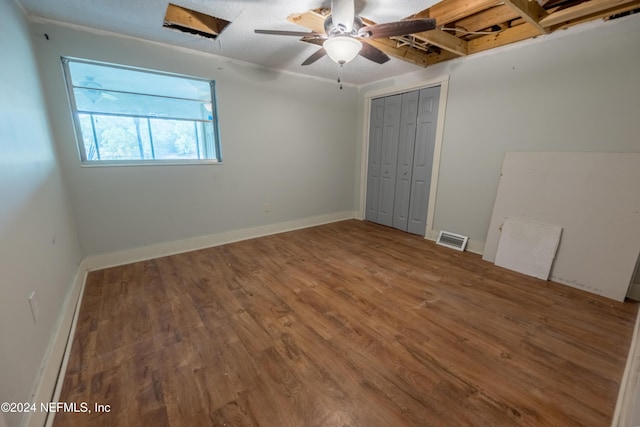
345	324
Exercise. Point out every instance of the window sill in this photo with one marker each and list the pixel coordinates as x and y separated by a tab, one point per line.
120	163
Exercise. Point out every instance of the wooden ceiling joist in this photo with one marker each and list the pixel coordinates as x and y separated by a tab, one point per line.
503	38
312	19
406	53
635	4
452	10
580	10
434	58
530	11
436	37
487	18
444	41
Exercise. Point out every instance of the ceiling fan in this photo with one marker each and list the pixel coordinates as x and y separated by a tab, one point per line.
345	33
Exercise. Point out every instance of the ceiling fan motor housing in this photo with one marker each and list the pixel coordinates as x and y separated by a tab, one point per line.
333	30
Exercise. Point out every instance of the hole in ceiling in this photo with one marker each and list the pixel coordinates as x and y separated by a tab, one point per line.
193	22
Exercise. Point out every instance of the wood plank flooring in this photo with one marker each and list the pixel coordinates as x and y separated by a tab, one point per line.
345	324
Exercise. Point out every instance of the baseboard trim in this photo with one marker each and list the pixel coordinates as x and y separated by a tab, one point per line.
49	383
57	352
48	422
475	246
96	262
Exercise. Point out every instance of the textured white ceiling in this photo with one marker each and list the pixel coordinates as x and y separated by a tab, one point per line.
144	18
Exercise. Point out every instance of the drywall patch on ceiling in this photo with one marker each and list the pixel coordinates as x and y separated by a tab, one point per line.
193	22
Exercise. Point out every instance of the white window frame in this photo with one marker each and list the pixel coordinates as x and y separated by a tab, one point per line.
213	157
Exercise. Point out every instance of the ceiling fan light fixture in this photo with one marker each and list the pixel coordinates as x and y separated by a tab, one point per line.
342	49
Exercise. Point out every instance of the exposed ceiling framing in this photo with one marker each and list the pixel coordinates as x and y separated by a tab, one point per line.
226	28
466	27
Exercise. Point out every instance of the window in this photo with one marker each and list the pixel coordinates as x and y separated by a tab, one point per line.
129	115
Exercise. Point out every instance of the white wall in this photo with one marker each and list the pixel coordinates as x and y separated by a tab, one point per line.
286	140
39	250
577	90
573	191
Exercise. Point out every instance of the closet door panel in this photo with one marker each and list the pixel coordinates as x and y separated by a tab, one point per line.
389	158
373	163
406	142
423	159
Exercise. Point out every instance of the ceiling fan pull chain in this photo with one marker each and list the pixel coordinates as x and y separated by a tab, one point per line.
340	76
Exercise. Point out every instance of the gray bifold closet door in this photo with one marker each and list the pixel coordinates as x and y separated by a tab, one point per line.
401	145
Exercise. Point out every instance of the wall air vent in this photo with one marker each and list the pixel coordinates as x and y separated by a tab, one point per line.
452	240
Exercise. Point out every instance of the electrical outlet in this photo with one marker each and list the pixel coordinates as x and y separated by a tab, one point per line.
266	208
33	303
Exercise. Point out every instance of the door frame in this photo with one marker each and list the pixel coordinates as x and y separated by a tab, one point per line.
443	82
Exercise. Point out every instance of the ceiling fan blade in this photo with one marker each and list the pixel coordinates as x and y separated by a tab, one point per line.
287	33
343	13
398	28
316	55
313	40
374	54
